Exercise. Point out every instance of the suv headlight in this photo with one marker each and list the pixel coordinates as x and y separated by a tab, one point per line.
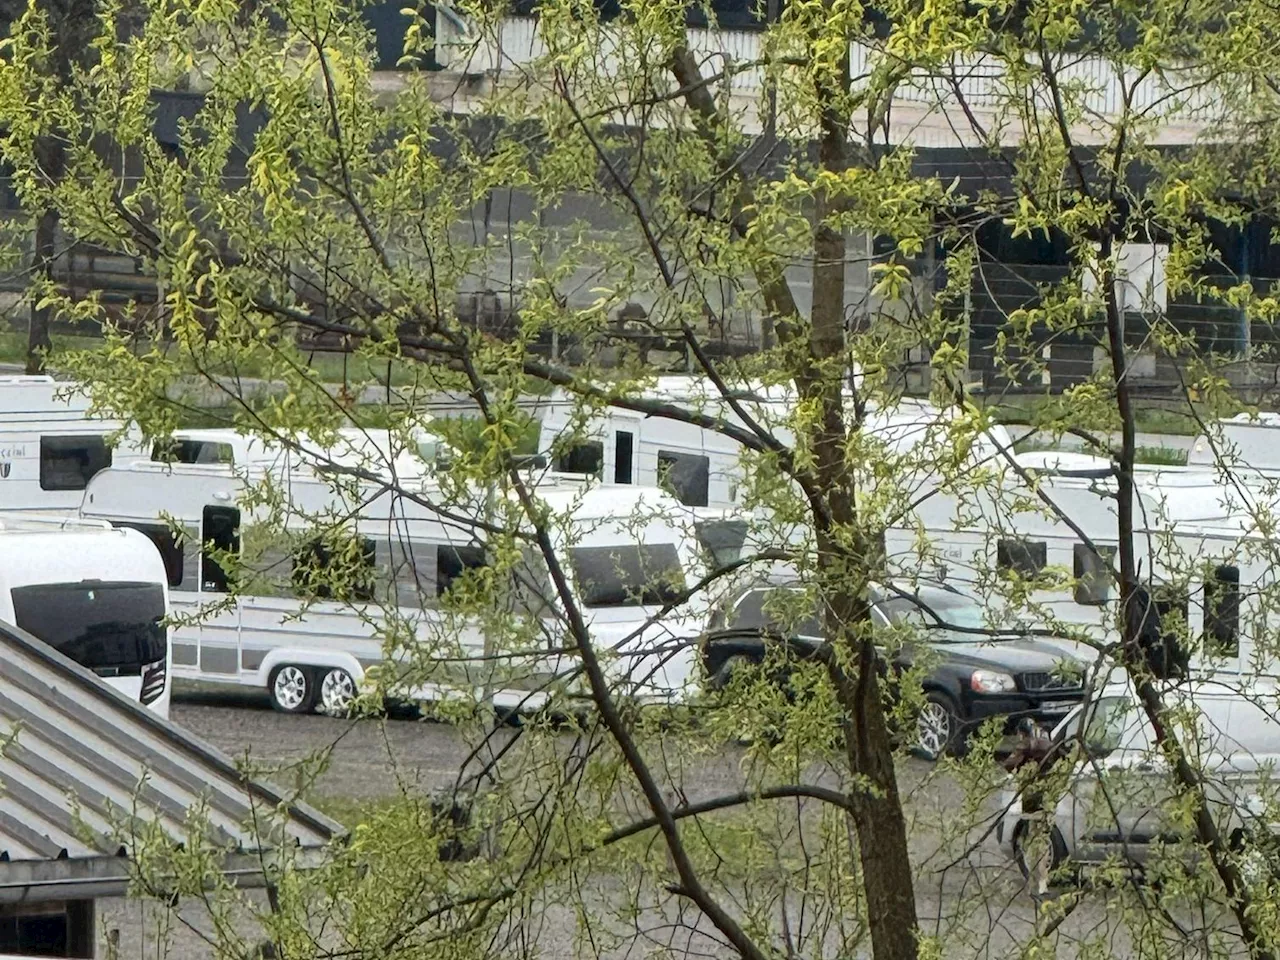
989	681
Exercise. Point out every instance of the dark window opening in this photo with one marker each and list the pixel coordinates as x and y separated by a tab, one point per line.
349	576
1092	572
1159	620
221	526
1222	611
453	562
192	451
628	576
114	629
68	463
686	475
167	542
623	447
35	935
585	458
722	540
1026	558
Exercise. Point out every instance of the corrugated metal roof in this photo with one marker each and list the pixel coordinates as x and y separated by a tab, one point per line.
86	760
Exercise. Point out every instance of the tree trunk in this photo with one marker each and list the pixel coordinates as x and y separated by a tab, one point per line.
52	161
849	558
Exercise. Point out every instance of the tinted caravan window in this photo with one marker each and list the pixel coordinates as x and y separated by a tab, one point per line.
316	573
1023	557
1222	611
723	540
192	451
686	475
166	542
585	458
68	463
453	562
112	628
627	576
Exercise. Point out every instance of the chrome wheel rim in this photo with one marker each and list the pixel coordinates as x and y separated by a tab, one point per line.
933	729
290	688
337	692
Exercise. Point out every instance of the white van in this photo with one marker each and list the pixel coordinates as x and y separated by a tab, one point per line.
97	595
50	446
313	653
1116	804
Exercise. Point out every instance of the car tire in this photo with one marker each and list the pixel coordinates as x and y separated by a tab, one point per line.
1057	852
939	730
292	688
336	693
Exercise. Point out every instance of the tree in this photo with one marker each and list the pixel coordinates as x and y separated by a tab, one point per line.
344	224
68	27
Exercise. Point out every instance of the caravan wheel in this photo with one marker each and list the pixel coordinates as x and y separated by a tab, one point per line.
337	693
292	689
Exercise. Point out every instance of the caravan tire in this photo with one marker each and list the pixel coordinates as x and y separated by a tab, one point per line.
337	692
292	689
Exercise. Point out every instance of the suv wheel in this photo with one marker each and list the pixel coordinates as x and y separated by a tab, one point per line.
937	727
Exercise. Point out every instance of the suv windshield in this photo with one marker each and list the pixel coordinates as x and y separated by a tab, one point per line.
750	613
112	628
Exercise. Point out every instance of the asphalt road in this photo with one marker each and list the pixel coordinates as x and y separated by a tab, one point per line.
976	902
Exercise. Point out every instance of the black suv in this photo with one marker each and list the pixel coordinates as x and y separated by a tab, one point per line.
979	673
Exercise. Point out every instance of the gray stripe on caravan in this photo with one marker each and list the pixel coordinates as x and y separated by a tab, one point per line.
252	659
185	654
219	659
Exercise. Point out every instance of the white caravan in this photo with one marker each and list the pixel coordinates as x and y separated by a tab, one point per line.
95	594
702	467
1197	547
314	653
1248	442
50	446
352	447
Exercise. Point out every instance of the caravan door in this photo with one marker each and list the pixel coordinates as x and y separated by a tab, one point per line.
217	636
621	448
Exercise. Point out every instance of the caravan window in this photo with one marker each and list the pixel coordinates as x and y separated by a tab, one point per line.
114	629
68	463
453	562
1092	571
315	570
192	451
1026	558
167	543
686	475
221	532
628	576
585	458
722	540
623	447
1222	612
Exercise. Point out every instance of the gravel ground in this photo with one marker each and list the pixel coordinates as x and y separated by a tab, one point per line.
979	898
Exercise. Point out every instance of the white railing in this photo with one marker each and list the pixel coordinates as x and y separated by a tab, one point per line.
1092	84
